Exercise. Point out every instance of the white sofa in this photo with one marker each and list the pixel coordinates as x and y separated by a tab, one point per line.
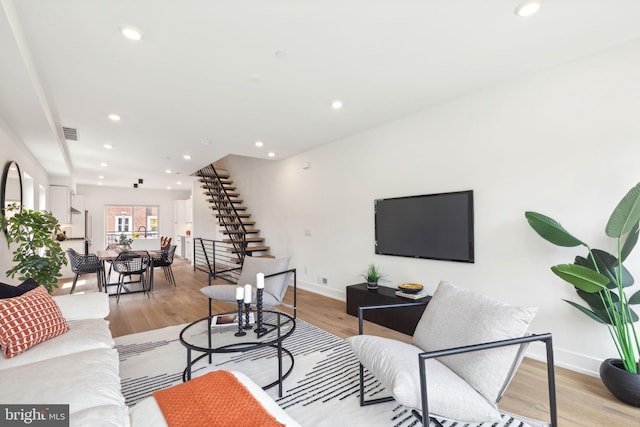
81	368
78	368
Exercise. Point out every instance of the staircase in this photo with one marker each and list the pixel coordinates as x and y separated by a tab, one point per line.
240	233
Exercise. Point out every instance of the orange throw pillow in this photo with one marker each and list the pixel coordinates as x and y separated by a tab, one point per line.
29	319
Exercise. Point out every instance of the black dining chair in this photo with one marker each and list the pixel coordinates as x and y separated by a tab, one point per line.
84	264
131	263
165	260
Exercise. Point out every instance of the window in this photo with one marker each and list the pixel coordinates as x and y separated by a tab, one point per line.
134	221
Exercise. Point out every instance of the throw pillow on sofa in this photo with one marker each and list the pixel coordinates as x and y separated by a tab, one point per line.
29	319
10	291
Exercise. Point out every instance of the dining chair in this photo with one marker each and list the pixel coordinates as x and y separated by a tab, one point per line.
84	264
165	260
131	263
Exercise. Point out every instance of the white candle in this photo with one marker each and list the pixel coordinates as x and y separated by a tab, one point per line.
239	293
260	280
247	294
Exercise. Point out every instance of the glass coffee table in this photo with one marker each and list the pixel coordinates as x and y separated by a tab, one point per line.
201	336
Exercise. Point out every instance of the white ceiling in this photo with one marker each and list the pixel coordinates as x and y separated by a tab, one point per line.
207	70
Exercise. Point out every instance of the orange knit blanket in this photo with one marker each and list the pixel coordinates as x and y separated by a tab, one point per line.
214	399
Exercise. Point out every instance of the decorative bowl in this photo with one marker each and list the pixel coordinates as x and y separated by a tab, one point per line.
410	288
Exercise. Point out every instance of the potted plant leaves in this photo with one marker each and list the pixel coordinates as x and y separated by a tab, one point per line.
602	282
37	255
372	276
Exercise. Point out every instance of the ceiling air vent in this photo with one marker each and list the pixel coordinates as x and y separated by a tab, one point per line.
70	134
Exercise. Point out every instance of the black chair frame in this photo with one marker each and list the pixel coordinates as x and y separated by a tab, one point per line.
85	264
546	338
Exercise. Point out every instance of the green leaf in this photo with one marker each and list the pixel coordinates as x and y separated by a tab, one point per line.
594	300
630	242
551	230
586	311
607	266
581	277
626	215
635	298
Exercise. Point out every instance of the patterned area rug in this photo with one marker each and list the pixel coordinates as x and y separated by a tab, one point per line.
322	389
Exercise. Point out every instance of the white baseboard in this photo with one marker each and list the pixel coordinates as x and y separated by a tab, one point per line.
322	290
568	359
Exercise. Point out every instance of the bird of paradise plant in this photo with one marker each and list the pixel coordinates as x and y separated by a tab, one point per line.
600	278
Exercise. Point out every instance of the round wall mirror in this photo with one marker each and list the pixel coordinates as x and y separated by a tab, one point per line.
11	186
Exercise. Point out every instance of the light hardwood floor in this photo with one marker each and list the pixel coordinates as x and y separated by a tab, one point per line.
582	400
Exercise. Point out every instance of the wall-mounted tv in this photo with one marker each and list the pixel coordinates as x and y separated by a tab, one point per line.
434	226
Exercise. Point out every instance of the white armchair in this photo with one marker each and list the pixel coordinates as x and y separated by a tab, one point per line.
465	351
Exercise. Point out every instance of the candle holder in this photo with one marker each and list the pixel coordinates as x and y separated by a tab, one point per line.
247	311
259	329
240	332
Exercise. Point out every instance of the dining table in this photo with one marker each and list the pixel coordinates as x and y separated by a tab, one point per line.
111	254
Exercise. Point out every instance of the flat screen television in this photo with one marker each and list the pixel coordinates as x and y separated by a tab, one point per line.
433	226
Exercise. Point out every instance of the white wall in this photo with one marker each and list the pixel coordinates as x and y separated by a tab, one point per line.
13	150
565	143
97	196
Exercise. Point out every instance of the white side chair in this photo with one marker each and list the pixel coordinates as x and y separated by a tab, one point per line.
277	276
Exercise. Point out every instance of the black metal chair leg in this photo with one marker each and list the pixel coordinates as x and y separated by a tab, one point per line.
75	279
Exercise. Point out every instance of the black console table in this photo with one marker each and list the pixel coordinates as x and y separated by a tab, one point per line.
402	319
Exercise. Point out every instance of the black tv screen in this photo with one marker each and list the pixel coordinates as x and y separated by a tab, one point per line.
434	226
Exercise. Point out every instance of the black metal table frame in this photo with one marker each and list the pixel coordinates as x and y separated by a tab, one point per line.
242	347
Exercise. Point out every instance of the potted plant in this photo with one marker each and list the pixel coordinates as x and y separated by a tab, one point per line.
601	281
124	242
37	255
372	276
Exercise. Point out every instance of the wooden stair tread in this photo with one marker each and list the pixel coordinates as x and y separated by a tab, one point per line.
249	249
229	193
237	223
226	187
248	240
247	231
232	201
232	215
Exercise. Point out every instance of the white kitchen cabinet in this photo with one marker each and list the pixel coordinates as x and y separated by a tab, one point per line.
60	203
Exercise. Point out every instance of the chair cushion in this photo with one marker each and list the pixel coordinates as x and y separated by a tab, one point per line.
457	317
10	291
396	365
29	319
276	286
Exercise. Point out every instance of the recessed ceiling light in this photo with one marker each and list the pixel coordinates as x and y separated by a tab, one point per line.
259	143
186	157
99	182
108	146
101	177
527	8
336	105
168	188
104	165
179	182
131	33
114	117
167	170
271	154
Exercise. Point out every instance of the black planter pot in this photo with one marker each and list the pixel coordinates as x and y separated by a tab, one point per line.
622	384
372	286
